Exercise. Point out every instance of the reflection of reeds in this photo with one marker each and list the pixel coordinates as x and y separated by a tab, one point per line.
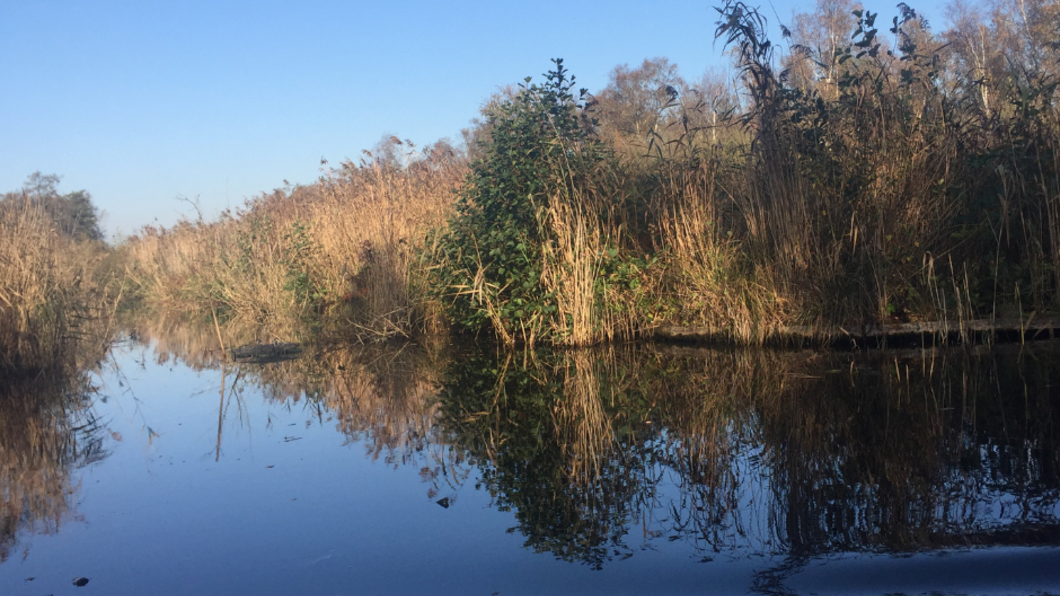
384	394
583	427
389	398
766	450
893	456
197	345
799	452
45	432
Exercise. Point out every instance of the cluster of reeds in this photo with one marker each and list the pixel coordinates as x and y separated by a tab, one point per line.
878	188
54	296
342	250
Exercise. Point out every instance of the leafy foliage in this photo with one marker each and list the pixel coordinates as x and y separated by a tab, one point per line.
490	257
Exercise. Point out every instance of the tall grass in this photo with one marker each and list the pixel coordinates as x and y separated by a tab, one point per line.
53	298
853	190
341	251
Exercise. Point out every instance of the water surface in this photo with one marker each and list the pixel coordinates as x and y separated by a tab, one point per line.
632	470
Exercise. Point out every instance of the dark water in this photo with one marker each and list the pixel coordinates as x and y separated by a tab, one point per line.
634	470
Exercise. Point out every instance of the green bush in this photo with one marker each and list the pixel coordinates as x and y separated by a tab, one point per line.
490	258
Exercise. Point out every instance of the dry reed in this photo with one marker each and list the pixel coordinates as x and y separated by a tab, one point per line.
342	250
52	296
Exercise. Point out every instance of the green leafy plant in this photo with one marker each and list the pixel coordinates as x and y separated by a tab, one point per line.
490	258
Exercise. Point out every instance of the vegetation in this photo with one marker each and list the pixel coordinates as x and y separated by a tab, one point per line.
55	292
868	174
601	453
528	246
864	176
342	252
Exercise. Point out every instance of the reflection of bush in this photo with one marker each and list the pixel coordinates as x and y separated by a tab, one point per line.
46	431
546	449
767	451
580	444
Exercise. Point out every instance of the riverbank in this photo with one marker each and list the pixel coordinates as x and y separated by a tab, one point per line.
808	209
889	199
928	333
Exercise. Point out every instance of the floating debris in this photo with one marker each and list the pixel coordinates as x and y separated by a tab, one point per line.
444	502
80	582
265	353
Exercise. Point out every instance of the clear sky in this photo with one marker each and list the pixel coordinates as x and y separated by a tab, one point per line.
140	102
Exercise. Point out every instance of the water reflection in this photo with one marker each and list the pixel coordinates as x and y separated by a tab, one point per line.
763	452
47	430
713	455
602	453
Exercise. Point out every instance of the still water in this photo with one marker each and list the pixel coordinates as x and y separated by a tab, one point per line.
632	470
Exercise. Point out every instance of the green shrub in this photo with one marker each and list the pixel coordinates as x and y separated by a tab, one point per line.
491	257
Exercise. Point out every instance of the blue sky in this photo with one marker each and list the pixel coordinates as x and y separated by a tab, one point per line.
140	102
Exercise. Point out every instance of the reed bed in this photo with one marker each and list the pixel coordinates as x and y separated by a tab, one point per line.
54	292
341	251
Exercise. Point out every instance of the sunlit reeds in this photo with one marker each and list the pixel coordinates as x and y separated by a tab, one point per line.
53	301
771	203
343	250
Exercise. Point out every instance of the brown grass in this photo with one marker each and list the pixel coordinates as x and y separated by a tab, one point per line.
52	296
341	250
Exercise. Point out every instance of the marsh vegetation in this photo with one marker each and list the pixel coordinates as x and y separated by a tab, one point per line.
872	172
867	170
462	311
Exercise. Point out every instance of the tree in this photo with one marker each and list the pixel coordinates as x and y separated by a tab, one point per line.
975	51
817	40
492	252
710	101
634	101
74	214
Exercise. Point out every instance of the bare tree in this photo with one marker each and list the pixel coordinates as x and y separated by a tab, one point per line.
817	39
974	48
634	100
